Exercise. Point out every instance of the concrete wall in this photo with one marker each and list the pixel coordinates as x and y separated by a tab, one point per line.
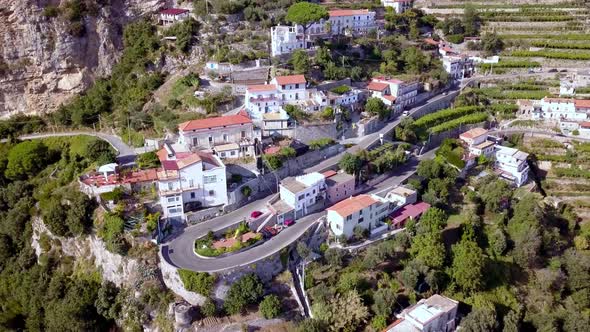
310	132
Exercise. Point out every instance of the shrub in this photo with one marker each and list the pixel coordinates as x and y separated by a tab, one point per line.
468	119
320	143
552	55
51	11
270	307
341	89
148	160
247	290
208	309
114	195
199	282
246	191
456	39
152	221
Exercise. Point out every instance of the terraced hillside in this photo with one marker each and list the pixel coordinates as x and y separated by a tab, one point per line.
556	33
566	169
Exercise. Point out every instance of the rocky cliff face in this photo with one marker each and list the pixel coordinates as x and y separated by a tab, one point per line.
42	65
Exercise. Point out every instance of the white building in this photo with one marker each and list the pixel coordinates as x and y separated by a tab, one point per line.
286	39
511	164
477	142
173	15
557	109
365	211
399	6
276	124
434	314
567	88
231	136
283	90
302	192
189	177
395	93
402	195
458	66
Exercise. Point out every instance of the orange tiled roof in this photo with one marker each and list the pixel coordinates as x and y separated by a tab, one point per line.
219	121
472	133
349	206
585	103
348	12
261	87
377	86
291	79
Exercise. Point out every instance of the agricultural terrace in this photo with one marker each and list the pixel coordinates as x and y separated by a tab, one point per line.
565	170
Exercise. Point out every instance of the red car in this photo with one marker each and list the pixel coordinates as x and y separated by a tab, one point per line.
255	214
269	232
289	222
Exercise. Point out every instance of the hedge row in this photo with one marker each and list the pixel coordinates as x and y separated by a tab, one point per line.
556	44
511	64
530	19
436	118
567	36
552	55
489	14
464	120
504	108
571	172
498	93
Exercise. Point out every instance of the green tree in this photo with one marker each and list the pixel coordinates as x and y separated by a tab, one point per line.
491	43
54	216
471	21
334	257
468	265
344	312
247	290
99	151
350	163
384	301
480	320
108	303
312	325
200	282
26	159
306	14
323	56
433	220
147	160
376	106
429	249
270	307
415	60
300	61
303	250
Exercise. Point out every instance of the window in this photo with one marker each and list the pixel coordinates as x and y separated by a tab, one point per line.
301	197
210	179
193	195
210	139
191	183
174	210
225	137
243	134
170	186
349	217
313	192
361	220
233	153
172	199
195	141
211	192
307	195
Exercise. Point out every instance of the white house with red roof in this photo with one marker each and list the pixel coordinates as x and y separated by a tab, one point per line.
173	15
281	91
231	136
286	39
395	93
565	109
187	177
364	211
399	6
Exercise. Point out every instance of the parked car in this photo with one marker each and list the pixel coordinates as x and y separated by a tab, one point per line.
192	206
289	222
552	70
405	113
255	214
269	232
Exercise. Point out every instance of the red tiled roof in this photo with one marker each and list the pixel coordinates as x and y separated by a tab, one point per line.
349	206
291	79
98	179
558	100
219	121
347	12
329	173
272	150
377	86
390	98
188	161
170	165
473	133
583	103
261	87
173	11
448	49
409	211
390	80
431	41
585	124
